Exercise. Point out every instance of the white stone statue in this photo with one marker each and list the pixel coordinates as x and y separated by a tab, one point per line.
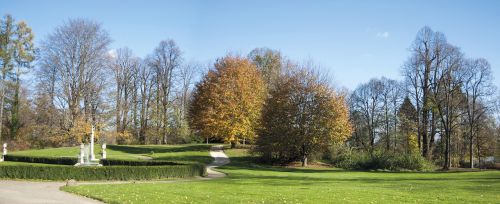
82	154
4	152
4	149
103	151
92	155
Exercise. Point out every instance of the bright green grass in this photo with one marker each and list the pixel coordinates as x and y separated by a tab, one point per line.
247	183
179	153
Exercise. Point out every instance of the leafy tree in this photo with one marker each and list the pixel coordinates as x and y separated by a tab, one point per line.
16	53
227	103
302	116
408	125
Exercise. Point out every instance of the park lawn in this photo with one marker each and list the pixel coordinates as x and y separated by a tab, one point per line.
249	183
179	153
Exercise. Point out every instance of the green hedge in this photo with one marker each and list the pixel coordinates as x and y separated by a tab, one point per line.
63	172
44	160
119	162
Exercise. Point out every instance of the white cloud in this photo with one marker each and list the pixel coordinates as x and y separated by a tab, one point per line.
383	35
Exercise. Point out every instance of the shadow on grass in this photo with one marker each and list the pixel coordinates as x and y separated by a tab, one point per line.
186	158
147	149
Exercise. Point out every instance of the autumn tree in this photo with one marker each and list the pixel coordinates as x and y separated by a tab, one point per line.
227	103
303	115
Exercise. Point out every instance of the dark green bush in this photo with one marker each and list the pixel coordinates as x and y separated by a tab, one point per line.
63	172
44	160
379	160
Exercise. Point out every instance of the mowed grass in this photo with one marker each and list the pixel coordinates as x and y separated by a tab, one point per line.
250	183
179	153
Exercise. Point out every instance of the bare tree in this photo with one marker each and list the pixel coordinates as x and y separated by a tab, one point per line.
125	68
478	89
165	59
74	56
420	71
367	100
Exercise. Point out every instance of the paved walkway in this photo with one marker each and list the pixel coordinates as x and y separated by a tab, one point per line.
13	192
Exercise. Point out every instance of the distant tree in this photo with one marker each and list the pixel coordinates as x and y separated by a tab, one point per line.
408	125
125	68
269	62
302	116
164	61
227	103
368	102
478	90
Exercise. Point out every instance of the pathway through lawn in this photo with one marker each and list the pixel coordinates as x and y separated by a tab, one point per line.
17	191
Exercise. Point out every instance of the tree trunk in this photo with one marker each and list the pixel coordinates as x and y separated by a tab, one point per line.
304	160
233	144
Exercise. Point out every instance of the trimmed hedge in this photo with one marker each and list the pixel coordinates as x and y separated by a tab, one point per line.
63	172
44	160
119	162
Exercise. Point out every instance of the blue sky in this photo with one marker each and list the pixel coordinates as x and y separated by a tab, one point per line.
353	40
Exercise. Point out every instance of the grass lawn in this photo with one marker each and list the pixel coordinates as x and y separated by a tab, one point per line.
164	152
248	183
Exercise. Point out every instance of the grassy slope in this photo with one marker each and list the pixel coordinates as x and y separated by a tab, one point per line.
170	152
247	183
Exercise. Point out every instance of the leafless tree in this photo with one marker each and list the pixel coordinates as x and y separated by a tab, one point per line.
165	60
478	89
73	57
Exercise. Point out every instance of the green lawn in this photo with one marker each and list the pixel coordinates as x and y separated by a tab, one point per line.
248	183
135	152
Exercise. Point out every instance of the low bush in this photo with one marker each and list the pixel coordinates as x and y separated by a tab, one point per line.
44	160
378	160
64	172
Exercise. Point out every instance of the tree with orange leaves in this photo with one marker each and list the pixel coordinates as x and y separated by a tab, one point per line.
227	103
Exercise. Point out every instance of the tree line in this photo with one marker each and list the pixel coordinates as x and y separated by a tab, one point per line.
443	109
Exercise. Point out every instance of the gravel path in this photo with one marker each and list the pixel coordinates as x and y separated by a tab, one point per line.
17	191
12	192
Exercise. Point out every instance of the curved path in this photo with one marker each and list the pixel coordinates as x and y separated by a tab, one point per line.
17	191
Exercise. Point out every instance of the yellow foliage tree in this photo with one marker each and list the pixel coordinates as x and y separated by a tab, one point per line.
227	103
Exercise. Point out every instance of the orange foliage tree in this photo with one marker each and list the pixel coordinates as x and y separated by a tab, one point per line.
302	116
227	103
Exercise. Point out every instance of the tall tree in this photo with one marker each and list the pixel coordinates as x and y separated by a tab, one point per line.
367	101
227	103
74	55
302	116
16	54
165	60
420	71
478	89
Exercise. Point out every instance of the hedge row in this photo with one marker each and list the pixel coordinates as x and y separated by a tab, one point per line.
73	161
119	162
62	172
44	160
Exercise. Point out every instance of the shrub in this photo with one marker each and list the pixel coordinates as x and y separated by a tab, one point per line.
64	172
358	160
44	160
